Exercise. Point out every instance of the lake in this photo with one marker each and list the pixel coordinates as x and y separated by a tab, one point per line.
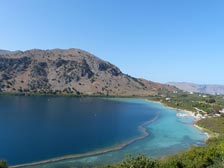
39	128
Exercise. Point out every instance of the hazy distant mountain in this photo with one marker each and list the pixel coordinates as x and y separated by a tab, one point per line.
6	52
71	71
192	87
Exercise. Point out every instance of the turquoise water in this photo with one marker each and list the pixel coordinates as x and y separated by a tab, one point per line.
169	134
40	128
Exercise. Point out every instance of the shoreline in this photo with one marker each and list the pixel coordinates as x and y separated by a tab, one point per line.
208	133
191	113
122	145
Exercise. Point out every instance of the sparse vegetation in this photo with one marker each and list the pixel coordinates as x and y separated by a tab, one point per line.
41	71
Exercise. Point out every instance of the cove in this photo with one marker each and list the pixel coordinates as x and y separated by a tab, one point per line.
40	128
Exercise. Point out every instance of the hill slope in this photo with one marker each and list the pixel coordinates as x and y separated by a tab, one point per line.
191	87
71	71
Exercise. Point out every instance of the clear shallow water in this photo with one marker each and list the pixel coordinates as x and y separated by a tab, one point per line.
46	127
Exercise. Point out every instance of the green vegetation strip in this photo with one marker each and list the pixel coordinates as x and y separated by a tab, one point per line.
215	124
201	103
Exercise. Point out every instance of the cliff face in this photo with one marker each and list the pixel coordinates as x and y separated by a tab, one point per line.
71	71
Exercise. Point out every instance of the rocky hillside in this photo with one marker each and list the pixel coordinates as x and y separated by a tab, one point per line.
71	71
206	89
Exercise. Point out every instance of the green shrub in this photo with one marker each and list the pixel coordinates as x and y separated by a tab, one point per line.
3	164
211	156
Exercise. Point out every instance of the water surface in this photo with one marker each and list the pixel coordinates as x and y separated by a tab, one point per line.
47	127
39	128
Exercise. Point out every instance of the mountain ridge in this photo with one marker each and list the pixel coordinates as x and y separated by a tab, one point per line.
213	89
7	52
69	71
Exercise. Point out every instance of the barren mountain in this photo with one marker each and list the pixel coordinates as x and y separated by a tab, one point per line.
71	71
199	88
6	52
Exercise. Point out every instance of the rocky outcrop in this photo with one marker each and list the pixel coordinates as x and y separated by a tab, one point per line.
71	71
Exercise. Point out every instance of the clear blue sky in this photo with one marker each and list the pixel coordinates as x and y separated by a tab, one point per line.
160	40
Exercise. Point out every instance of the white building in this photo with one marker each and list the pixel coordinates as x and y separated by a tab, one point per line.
221	111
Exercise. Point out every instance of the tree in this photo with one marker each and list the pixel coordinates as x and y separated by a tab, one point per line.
211	100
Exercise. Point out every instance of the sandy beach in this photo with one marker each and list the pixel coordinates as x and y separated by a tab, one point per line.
189	113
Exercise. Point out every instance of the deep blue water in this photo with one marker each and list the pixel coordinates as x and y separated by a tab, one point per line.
39	128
